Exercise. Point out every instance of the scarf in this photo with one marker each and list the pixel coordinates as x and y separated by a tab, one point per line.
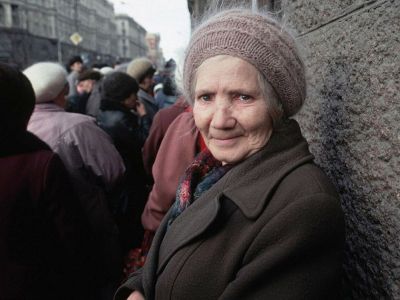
201	175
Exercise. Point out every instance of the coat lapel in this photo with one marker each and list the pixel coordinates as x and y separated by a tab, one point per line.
193	222
256	180
189	225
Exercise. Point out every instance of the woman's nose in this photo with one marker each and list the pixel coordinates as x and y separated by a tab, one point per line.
222	117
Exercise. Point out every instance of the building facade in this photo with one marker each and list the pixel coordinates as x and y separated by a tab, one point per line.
57	20
131	38
155	53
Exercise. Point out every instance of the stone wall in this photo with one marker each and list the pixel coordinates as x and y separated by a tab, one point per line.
352	121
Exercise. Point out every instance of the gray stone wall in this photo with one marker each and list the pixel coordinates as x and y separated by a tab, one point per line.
352	121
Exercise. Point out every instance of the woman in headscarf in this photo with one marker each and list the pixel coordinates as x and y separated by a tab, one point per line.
254	217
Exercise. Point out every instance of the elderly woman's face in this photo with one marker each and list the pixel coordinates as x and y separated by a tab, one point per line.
229	108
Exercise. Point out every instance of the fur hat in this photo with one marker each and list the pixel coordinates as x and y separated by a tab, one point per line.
47	79
118	86
257	39
139	68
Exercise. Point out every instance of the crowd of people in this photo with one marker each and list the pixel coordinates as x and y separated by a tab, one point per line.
100	165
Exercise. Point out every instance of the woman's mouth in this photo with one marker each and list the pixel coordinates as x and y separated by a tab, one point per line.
224	141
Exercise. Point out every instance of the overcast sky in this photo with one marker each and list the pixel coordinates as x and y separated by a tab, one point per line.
170	18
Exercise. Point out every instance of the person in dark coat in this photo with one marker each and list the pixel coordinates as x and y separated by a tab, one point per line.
74	68
126	121
254	216
43	233
86	83
142	70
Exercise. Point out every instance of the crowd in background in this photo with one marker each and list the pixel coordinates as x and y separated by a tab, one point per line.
85	149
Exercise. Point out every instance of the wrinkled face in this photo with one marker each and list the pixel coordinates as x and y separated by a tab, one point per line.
229	108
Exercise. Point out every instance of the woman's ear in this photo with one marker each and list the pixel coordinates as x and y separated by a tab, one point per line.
61	98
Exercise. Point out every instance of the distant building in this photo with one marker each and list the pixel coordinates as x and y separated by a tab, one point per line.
56	21
154	52
131	38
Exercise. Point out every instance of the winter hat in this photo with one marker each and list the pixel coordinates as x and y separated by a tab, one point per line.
89	75
47	79
257	39
17	100
139	68
118	86
106	70
74	59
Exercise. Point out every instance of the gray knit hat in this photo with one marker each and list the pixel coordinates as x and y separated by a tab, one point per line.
256	39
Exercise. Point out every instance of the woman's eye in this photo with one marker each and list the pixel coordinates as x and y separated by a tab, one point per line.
205	98
244	98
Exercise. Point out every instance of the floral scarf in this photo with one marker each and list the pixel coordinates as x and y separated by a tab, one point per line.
201	175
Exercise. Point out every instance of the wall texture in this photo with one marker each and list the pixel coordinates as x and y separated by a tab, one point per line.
352	121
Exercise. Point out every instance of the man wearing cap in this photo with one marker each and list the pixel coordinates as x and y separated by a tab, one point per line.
74	67
86	83
87	151
143	70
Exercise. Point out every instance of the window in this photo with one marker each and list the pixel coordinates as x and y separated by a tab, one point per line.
2	15
15	15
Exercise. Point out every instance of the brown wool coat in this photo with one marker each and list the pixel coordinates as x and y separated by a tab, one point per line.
271	228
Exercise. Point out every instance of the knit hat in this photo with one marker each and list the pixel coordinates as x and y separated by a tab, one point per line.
47	79
117	86
260	41
139	68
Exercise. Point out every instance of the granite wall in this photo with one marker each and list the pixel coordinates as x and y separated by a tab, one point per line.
352	121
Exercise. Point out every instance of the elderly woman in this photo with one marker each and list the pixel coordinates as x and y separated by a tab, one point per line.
254	217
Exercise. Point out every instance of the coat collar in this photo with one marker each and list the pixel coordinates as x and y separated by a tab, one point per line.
261	173
20	143
48	106
146	97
